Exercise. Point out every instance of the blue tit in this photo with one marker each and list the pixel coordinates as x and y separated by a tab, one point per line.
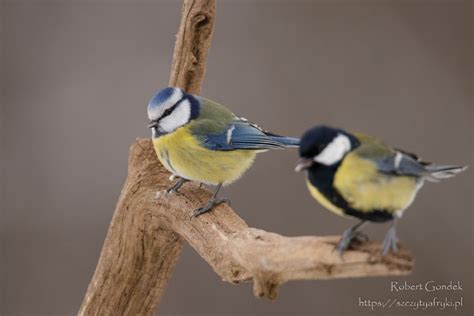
359	176
200	140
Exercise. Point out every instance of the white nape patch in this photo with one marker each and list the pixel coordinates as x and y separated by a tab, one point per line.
157	111
398	160
229	133
334	151
180	116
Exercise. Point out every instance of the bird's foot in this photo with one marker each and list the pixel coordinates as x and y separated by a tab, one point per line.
346	239
350	238
359	238
209	206
175	188
171	191
390	242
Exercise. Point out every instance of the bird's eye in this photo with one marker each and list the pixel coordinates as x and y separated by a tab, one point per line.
167	112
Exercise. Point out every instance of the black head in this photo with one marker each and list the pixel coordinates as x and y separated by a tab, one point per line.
324	145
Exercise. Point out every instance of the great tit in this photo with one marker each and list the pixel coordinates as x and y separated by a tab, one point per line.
361	177
200	140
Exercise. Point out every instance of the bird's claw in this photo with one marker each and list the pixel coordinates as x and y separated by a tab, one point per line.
164	193
359	238
350	238
209	206
175	188
171	191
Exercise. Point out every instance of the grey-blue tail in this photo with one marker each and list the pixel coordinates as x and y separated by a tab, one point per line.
436	173
287	141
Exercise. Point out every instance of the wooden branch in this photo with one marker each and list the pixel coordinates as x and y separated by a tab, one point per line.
138	255
140	251
239	253
146	234
192	44
133	268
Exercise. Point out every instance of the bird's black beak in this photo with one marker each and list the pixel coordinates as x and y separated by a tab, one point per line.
303	163
153	124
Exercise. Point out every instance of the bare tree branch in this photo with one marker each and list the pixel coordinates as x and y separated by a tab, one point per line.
140	252
192	44
146	234
238	253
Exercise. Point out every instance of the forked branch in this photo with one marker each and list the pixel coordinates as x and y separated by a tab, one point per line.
238	253
146	234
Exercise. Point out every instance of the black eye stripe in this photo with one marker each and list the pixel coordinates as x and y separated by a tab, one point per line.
167	112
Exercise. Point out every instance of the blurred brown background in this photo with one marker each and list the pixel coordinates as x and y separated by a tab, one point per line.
76	80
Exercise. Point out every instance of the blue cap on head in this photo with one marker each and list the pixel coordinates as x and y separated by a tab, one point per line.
161	96
163	100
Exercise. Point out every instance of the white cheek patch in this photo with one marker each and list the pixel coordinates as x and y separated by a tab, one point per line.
177	118
334	151
154	112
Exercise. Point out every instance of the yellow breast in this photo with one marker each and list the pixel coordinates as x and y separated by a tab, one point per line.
365	189
318	196
183	155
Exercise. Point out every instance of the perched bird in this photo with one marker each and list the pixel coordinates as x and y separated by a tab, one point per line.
200	140
359	176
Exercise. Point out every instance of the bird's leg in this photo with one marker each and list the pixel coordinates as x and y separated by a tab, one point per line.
176	186
391	241
348	236
211	203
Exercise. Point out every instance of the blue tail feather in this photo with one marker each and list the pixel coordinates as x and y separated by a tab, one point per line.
287	141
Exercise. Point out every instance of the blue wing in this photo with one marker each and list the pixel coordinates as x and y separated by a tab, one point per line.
241	134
